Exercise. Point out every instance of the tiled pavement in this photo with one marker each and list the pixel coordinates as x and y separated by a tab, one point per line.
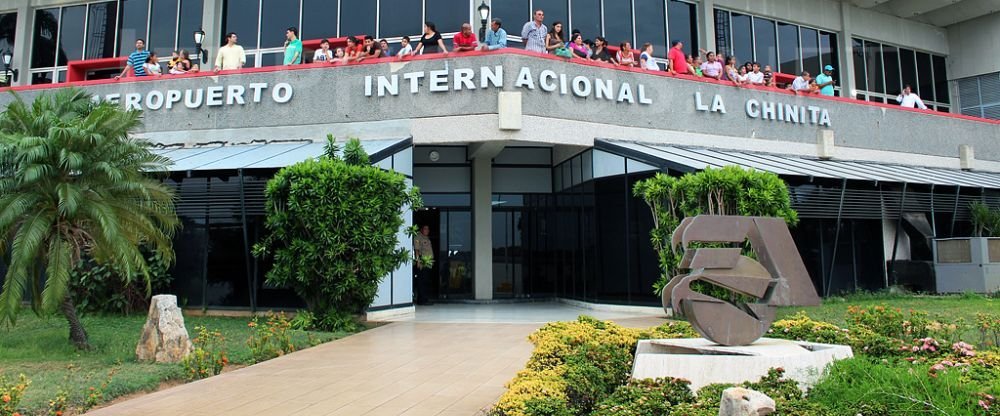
404	368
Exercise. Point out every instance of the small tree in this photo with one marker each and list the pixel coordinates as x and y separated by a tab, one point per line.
726	191
333	225
985	220
74	185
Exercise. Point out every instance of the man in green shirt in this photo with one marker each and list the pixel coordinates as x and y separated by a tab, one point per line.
293	47
825	81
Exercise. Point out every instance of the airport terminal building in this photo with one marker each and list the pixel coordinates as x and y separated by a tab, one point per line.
526	162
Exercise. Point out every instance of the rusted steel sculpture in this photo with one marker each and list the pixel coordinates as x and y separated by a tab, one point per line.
777	278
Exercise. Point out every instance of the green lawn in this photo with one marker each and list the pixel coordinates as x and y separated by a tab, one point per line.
38	348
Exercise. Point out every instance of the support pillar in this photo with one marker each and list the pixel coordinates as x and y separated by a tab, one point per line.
482	155
706	32
211	23
22	44
846	60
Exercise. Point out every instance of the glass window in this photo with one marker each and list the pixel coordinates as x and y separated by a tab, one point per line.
617	22
270	59
100	30
810	51
890	58
650	25
788	52
587	17
43	46
402	17
681	20
858	49
241	17
133	24
765	42
163	28
189	21
357	17
513	13
555	11
940	80
830	54
41	78
276	16
71	34
908	67
742	37
873	62
8	26
448	15
722	32
319	19
925	78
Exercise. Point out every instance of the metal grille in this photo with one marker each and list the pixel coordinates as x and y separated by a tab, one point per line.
812	202
219	198
954	251
980	96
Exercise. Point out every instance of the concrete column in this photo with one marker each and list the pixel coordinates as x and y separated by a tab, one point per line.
211	23
482	215
706	16
22	44
846	69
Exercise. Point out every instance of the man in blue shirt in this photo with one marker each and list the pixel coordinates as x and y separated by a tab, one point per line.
496	37
136	60
825	81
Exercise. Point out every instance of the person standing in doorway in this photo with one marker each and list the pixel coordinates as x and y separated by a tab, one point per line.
293	47
231	55
136	60
533	33
423	252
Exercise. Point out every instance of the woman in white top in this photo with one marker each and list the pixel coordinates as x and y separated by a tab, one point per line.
152	65
323	54
646	58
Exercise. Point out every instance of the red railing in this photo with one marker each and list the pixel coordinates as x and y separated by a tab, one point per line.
512	51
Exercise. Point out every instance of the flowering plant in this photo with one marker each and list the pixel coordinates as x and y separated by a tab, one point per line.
11	393
270	339
209	355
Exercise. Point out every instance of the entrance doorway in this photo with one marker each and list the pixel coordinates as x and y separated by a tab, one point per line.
451	236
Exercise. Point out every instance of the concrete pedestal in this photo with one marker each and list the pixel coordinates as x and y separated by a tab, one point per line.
703	362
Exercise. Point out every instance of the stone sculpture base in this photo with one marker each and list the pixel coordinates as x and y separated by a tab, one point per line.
703	362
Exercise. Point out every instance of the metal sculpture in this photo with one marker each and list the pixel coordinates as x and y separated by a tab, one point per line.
777	278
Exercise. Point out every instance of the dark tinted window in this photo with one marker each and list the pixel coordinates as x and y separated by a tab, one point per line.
810	51
357	17
788	44
742	37
319	19
100	30
403	18
276	16
271	59
133	25
650	26
556	11
873	61
683	25
8	26
41	78
908	67
925	77
587	17
513	13
829	53
617	22
941	80
43	46
71	34
448	15
190	21
766	43
890	58
241	17
722	32
163	27
858	49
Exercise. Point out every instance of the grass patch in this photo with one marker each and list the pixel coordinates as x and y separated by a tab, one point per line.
39	348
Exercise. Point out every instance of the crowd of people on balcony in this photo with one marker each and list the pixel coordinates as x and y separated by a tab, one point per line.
537	37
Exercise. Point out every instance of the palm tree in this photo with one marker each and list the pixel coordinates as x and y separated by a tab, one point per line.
73	184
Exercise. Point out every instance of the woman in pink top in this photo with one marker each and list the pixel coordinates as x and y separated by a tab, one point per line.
579	49
625	56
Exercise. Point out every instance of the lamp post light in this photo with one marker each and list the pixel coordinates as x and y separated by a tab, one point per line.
199	39
484	15
9	75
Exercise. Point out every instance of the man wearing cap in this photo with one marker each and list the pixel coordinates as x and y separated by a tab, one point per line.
825	81
677	60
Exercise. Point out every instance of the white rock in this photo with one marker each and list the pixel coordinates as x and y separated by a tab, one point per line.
737	401
164	337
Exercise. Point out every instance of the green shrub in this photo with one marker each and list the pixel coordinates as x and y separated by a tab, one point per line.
209	355
333	229
101	288
270	338
800	327
649	397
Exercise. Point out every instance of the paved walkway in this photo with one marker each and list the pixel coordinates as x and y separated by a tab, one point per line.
426	366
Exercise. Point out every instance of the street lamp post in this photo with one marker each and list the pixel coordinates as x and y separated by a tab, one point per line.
199	39
484	15
9	75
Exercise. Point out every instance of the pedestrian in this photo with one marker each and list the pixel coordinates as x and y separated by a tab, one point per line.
534	32
713	67
465	40
825	81
231	55
755	77
136	60
404	48
293	47
423	251
909	99
646	58
676	59
801	83
323	54
152	65
386	50
496	37
430	41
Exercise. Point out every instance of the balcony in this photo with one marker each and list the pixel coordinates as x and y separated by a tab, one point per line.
559	102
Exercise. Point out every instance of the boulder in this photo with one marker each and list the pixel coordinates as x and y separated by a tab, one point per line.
737	401
164	337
